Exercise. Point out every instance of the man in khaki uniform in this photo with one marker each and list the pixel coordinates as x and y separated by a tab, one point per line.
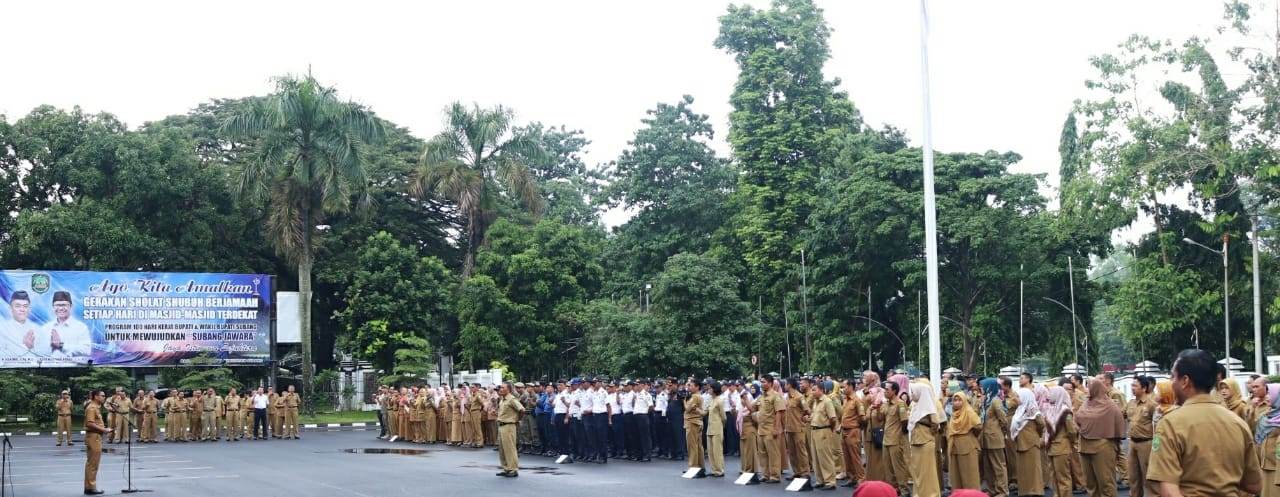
110	408
822	425
232	405
1201	448
209	416
170	420
246	413
124	407
195	414
274	416
693	411
147	418
138	416
769	429
895	438
292	401
1141	411
64	419
279	407
509	413
853	416
93	431
797	430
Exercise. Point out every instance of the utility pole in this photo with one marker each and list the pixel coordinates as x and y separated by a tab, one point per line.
1257	297
1021	315
804	310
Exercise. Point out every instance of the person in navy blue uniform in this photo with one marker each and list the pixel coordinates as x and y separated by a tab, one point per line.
675	423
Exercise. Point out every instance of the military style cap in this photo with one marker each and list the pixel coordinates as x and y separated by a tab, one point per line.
519	385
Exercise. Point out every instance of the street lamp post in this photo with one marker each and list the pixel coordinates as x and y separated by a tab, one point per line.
1226	291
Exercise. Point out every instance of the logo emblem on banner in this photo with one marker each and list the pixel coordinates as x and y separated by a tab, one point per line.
39	282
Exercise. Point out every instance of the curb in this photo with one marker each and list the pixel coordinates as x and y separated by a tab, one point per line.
304	427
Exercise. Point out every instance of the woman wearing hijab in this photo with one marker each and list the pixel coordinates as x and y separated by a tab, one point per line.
1027	430
995	429
1101	428
1061	436
1042	398
873	397
924	450
962	444
1265	436
1229	391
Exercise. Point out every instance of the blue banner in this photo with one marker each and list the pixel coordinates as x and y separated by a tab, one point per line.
69	318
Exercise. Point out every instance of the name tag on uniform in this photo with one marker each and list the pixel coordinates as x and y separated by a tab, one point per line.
799	485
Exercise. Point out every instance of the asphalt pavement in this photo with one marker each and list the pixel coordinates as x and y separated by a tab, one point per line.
350	463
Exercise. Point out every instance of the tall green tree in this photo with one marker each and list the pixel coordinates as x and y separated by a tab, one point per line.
478	163
787	117
394	295
677	187
309	164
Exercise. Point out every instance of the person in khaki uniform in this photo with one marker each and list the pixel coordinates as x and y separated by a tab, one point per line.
715	431
1116	396
1202	430
429	415
147	418
274	418
1101	429
995	430
195	413
769	430
416	431
748	440
1141	413
509	413
853	417
64	406
124	408
209	408
963	450
232	405
693	411
138	416
1266	417
110	408
1061	428
475	416
93	431
1027	429
170	420
895	443
246	413
922	423
292	402
873	396
797	431
823	422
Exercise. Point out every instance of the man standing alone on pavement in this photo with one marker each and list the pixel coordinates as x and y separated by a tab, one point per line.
94	430
509	413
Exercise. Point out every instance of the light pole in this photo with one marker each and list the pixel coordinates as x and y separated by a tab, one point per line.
1075	319
647	288
1226	291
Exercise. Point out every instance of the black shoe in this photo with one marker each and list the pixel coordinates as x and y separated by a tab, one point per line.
849	483
645	460
502	473
827	487
513	474
93	492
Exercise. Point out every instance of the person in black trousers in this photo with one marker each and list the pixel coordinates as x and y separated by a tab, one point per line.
259	414
675	421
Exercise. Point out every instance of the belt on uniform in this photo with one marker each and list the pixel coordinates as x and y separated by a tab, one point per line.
64	415
504	424
820	427
1140	439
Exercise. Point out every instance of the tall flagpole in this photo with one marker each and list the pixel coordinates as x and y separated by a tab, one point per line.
930	216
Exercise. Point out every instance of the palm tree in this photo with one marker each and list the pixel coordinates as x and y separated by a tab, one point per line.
474	162
308	164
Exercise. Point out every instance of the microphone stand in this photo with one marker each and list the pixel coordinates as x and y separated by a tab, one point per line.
128	442
5	470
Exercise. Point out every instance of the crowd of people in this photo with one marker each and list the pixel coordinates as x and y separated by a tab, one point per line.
202	416
1193	434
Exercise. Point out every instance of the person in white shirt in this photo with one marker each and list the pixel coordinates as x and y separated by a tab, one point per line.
560	406
641	407
599	424
627	443
660	428
65	336
18	334
581	424
259	414
616	426
731	401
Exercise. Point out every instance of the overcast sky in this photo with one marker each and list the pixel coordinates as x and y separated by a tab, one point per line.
1004	73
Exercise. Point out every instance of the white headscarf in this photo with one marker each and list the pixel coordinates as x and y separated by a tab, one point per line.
922	404
1028	409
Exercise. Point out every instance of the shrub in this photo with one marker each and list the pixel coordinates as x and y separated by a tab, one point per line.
44	409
